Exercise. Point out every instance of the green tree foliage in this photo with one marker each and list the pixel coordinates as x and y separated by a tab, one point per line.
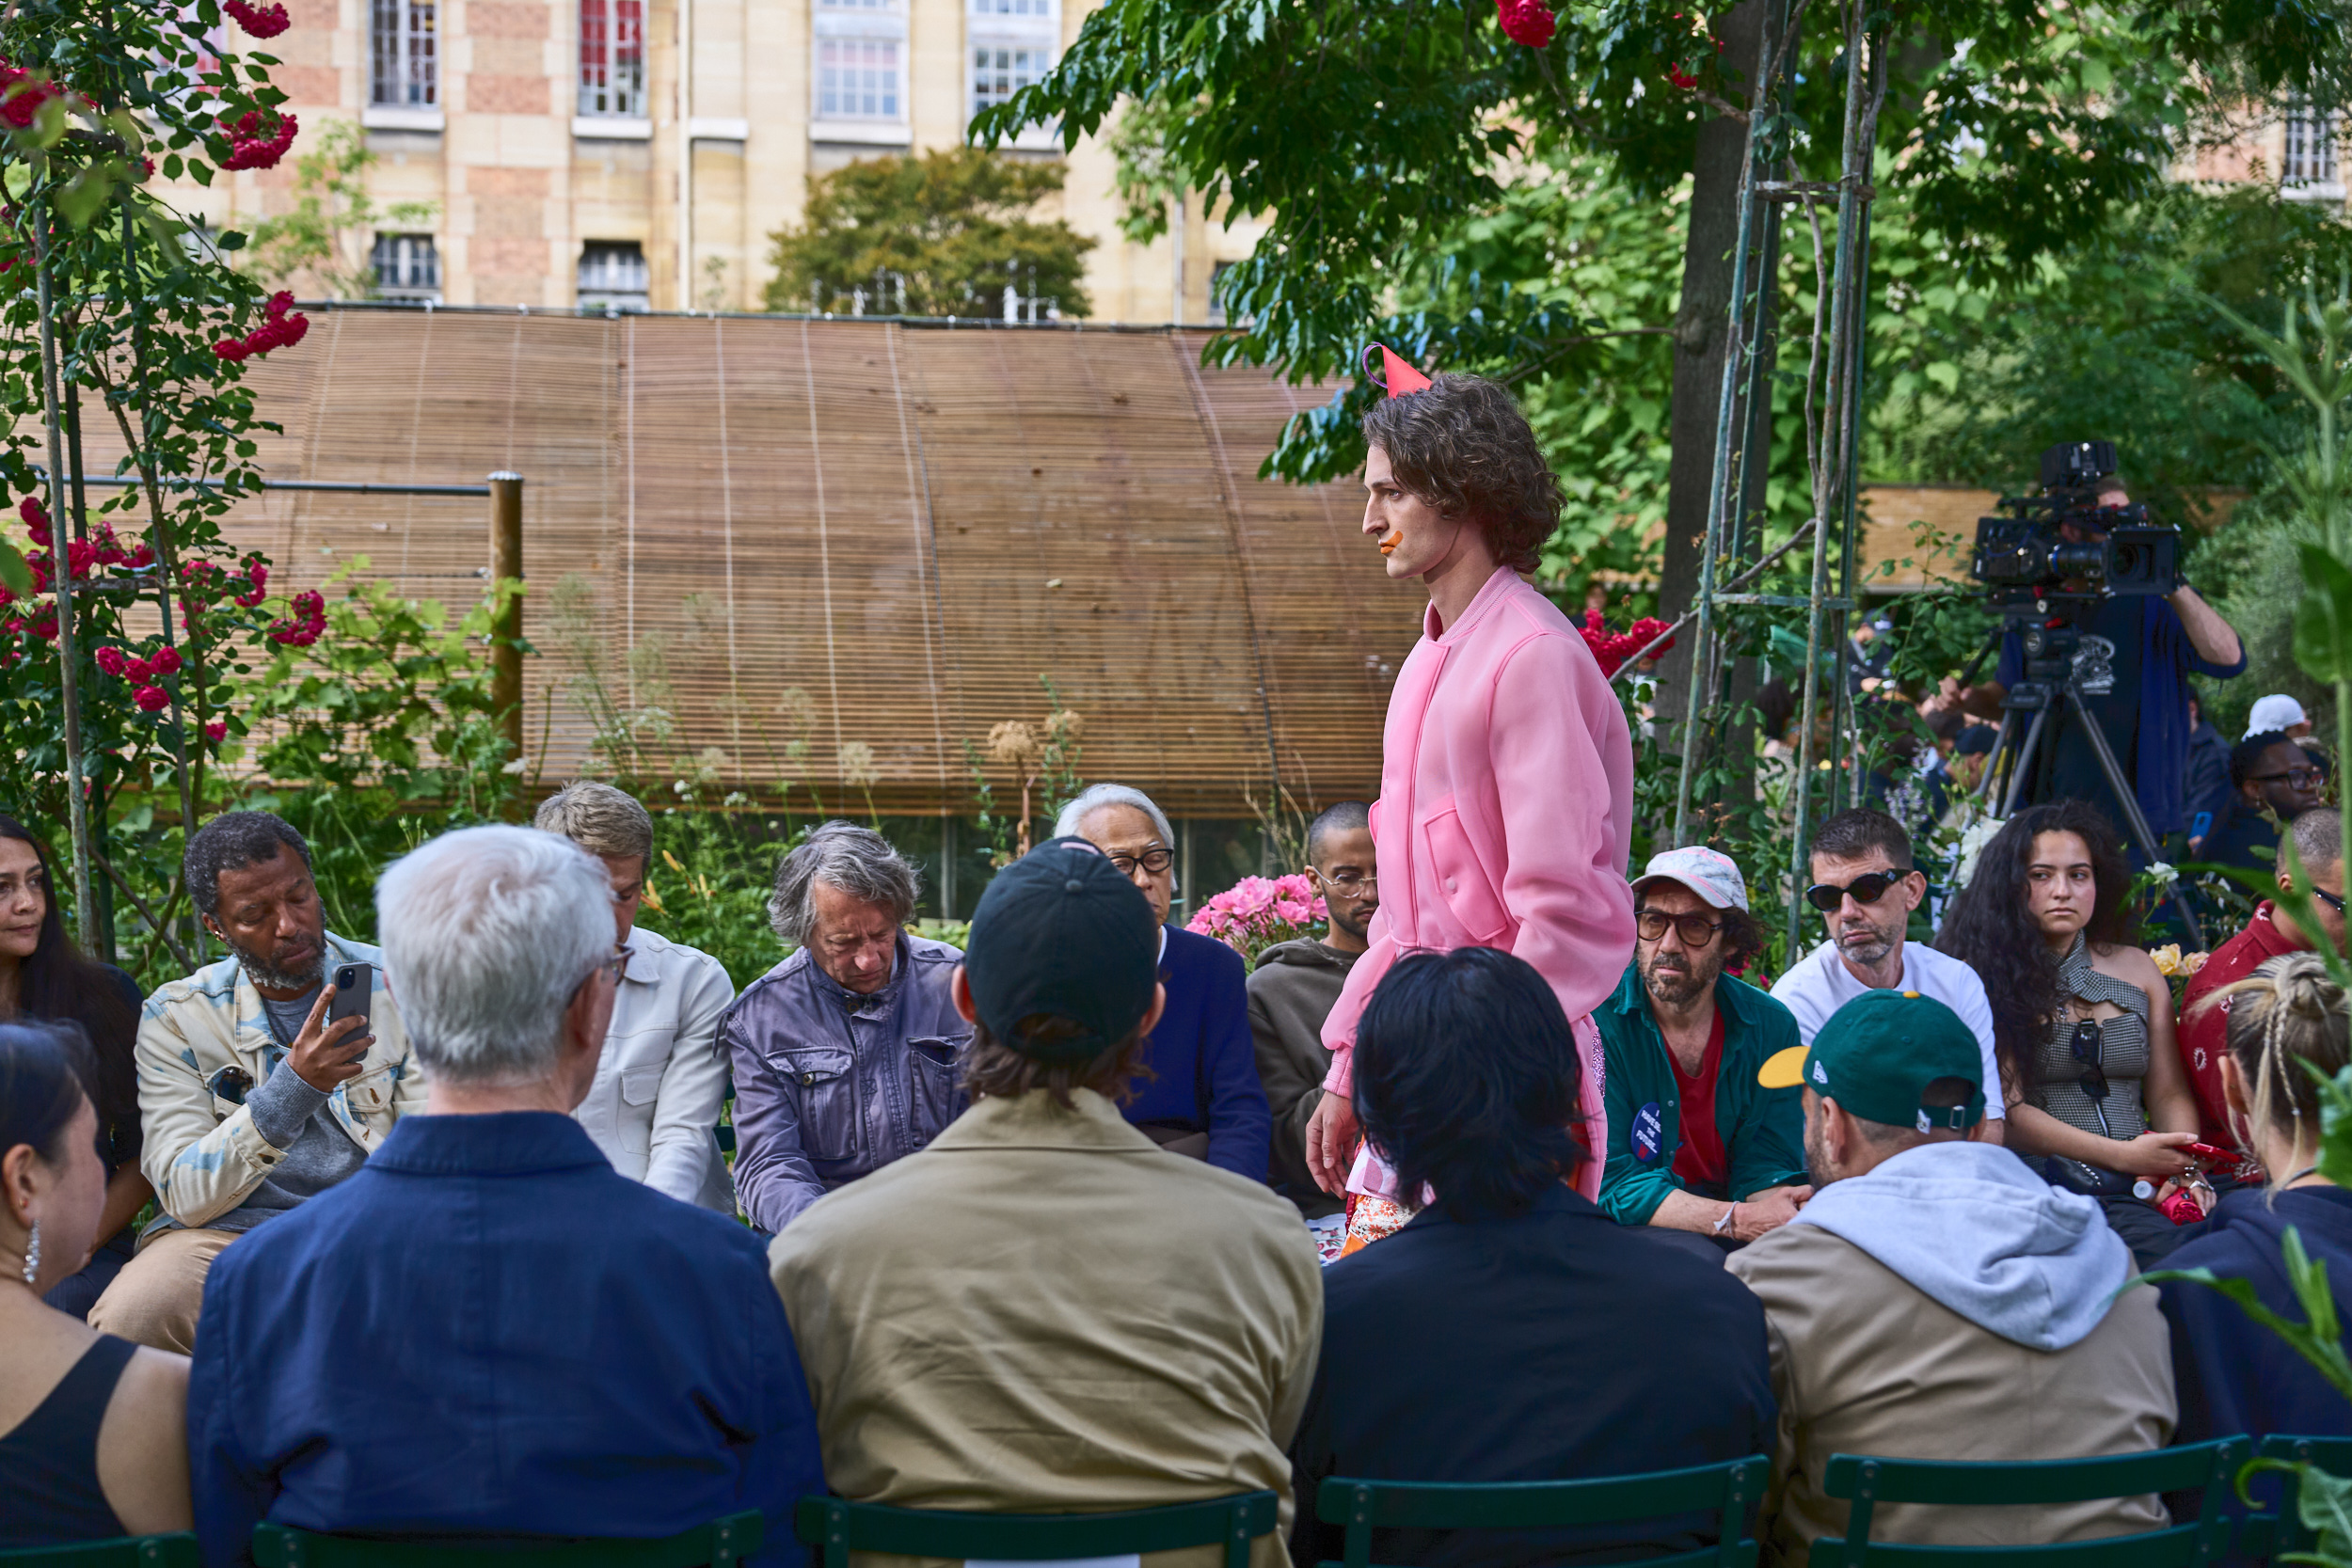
325	236
1367	137
938	235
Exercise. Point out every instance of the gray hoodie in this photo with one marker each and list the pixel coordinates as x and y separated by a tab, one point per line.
2015	1255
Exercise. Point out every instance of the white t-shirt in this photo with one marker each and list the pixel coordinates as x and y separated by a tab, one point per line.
1821	984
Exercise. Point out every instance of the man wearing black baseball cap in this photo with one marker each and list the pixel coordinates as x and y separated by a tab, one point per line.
1043	1279
1936	1299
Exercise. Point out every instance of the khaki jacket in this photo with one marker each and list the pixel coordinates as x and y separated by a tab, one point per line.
203	1152
1863	1363
1044	1312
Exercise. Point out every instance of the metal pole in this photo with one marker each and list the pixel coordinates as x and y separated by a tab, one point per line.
506	565
61	578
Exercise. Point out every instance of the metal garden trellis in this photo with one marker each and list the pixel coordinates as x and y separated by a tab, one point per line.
1732	557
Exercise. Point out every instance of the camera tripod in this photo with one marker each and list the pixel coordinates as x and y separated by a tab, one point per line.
2012	765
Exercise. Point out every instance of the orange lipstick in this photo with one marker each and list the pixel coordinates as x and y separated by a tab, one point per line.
1388	544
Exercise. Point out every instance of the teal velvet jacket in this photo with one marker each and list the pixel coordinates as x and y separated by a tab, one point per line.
1762	1129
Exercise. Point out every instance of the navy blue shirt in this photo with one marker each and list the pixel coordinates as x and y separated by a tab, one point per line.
1204	1066
2235	1375
488	1331
1552	1345
2144	647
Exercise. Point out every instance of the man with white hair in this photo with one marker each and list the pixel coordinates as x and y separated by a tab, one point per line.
845	1052
542	1347
1198	1092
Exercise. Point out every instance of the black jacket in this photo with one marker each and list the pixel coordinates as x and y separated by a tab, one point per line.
1550	1345
2235	1375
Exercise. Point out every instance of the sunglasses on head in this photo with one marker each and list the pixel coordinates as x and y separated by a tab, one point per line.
1869	888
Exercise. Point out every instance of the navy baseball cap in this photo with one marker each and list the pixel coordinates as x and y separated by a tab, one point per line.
1060	931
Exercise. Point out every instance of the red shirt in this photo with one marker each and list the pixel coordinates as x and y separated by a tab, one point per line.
1700	1161
2204	1037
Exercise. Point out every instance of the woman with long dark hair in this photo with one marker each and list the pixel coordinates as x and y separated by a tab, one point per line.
2082	1021
93	1429
43	976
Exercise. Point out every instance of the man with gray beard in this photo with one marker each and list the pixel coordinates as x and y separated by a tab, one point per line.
249	1101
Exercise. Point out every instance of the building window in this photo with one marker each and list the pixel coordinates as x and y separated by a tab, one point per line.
2311	149
408	267
857	79
1000	70
612	275
612	58
1041	9
857	5
404	62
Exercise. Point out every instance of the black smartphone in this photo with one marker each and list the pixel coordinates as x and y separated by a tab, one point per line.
354	987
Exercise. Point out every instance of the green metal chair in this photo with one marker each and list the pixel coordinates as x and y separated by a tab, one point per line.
2266	1532
175	1550
718	1544
1364	1505
841	1527
1868	1481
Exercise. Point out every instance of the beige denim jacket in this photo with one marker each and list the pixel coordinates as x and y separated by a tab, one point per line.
202	1151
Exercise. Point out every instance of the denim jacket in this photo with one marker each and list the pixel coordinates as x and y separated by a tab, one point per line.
831	1085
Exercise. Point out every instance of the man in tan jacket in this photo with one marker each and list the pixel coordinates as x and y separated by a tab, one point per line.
1937	1300
1043	1312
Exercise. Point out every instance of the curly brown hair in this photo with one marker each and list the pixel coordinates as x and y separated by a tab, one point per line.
1463	447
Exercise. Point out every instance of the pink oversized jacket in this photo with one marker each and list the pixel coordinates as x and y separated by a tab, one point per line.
1504	820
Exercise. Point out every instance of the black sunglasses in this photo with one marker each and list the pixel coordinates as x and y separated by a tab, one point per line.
1869	888
2088	1048
2333	900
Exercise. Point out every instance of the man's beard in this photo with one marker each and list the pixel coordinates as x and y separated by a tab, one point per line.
1816	1159
262	973
1676	988
1873	952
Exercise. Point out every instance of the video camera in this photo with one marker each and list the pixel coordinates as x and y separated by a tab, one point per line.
2025	560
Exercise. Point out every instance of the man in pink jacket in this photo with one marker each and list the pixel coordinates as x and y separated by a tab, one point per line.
1506	772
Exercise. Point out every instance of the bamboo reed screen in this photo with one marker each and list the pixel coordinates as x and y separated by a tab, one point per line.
860	535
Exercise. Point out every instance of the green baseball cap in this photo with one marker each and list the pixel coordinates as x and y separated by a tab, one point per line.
1877	1055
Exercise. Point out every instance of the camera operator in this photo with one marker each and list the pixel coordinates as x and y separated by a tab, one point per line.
2136	657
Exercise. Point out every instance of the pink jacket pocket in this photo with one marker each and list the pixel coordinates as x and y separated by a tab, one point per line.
1453	861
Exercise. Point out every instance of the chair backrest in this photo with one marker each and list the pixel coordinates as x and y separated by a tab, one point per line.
841	1527
175	1550
2266	1532
1363	1506
1869	1480
721	1544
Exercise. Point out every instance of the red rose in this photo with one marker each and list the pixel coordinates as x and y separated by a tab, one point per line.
217	730
138	673
261	22
166	661
151	699
110	660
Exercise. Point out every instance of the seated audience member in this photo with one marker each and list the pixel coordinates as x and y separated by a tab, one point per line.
1865	887
2272	781
1510	1331
2284	1020
1291	990
1198	1092
250	1103
1937	1300
2277	712
661	1079
1695	1143
845	1054
2204	1032
43	976
1042	1312
550	1348
2098	1100
93	1429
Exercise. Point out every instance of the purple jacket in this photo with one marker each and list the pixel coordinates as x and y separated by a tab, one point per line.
831	1085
